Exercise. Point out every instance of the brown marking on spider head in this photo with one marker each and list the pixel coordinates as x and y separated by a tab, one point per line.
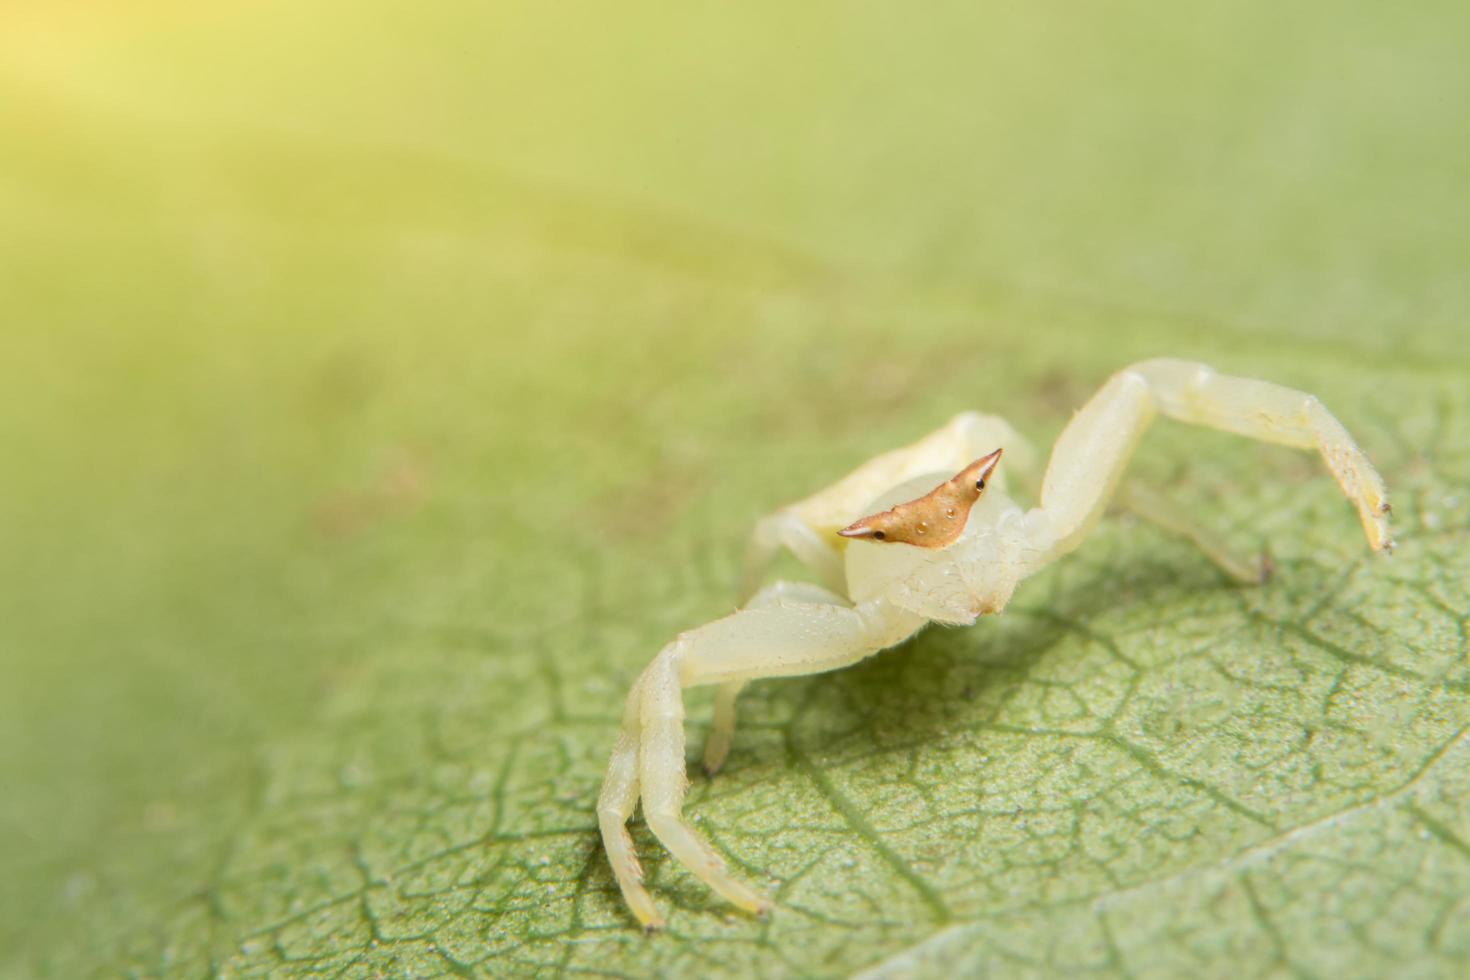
934	520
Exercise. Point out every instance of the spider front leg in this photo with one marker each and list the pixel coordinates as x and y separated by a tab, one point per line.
782	638
1091	453
722	728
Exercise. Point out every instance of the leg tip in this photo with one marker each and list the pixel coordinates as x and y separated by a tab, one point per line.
715	755
1375	523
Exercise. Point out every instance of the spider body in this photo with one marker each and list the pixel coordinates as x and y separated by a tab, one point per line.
973	575
926	533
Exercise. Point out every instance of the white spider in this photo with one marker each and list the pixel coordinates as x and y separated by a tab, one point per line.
949	556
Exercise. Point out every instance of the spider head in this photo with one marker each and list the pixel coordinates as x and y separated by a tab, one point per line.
935	520
950	569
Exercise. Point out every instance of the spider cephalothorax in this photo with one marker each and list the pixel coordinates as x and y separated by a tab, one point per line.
934	520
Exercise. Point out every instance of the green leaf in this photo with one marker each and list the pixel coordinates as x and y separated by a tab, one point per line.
384	385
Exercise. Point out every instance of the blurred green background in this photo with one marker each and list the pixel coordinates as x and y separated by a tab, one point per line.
417	357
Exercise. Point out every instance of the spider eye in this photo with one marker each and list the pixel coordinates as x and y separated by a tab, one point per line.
980	484
879	535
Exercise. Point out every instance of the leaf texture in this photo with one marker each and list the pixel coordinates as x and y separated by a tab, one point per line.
386	385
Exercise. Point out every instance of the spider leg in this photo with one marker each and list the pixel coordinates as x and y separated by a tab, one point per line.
1091	453
1154	507
614	807
722	731
784	529
722	727
782	639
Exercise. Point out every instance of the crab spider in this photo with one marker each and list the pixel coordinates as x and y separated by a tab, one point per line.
948	555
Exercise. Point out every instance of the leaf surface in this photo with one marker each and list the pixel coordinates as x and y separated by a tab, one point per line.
387	384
